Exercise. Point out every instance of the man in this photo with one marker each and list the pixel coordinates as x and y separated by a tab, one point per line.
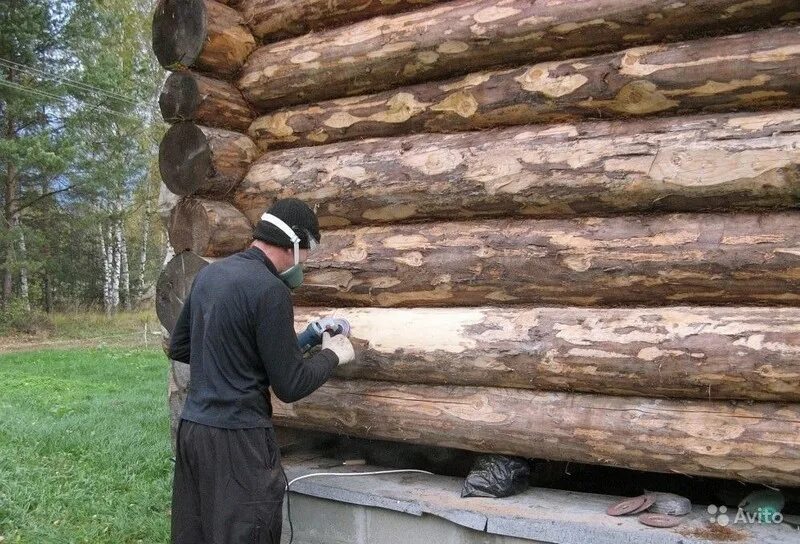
236	330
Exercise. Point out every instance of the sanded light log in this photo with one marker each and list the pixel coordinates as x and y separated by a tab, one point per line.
188	96
750	71
174	284
719	162
686	351
209	228
671	259
204	161
757	442
458	37
272	20
201	34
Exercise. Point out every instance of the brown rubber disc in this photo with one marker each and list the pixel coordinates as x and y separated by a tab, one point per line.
659	520
627	506
649	500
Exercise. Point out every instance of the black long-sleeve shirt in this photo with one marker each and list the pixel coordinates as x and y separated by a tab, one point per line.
236	330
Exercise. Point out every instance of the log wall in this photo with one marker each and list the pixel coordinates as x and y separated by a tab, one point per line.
564	230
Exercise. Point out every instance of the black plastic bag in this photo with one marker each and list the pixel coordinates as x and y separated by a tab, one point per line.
497	476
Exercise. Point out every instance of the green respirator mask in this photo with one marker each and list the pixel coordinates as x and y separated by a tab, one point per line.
293	277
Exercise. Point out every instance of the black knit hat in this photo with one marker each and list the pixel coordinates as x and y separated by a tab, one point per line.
294	213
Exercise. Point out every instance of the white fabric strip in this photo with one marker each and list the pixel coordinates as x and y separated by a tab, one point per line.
287	230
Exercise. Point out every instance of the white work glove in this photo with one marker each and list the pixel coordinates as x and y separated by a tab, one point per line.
340	345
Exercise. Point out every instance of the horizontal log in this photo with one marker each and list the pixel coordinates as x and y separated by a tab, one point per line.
201	34
714	259
685	351
720	162
750	71
208	228
750	442
174	284
188	96
272	20
204	161
458	37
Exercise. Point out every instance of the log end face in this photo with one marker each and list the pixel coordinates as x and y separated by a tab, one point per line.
179	98
174	284
184	158
179	32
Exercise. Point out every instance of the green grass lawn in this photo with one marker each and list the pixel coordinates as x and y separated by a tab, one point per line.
84	446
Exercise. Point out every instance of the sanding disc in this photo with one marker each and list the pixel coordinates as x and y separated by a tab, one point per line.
670	504
659	520
648	503
628	506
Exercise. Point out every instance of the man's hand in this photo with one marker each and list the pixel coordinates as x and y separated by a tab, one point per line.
312	336
340	345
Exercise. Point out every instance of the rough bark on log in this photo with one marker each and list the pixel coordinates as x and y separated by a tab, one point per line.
208	228
751	442
174	284
717	162
204	161
272	20
458	37
188	96
678	352
750	71
670	259
201	34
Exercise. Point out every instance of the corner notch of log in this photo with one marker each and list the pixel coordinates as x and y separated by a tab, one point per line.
188	96
201	34
174	284
204	161
208	228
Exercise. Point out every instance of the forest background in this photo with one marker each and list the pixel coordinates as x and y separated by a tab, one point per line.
79	133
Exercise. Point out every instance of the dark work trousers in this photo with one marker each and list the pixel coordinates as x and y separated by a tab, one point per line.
228	486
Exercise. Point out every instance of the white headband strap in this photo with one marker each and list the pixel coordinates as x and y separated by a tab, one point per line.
287	230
